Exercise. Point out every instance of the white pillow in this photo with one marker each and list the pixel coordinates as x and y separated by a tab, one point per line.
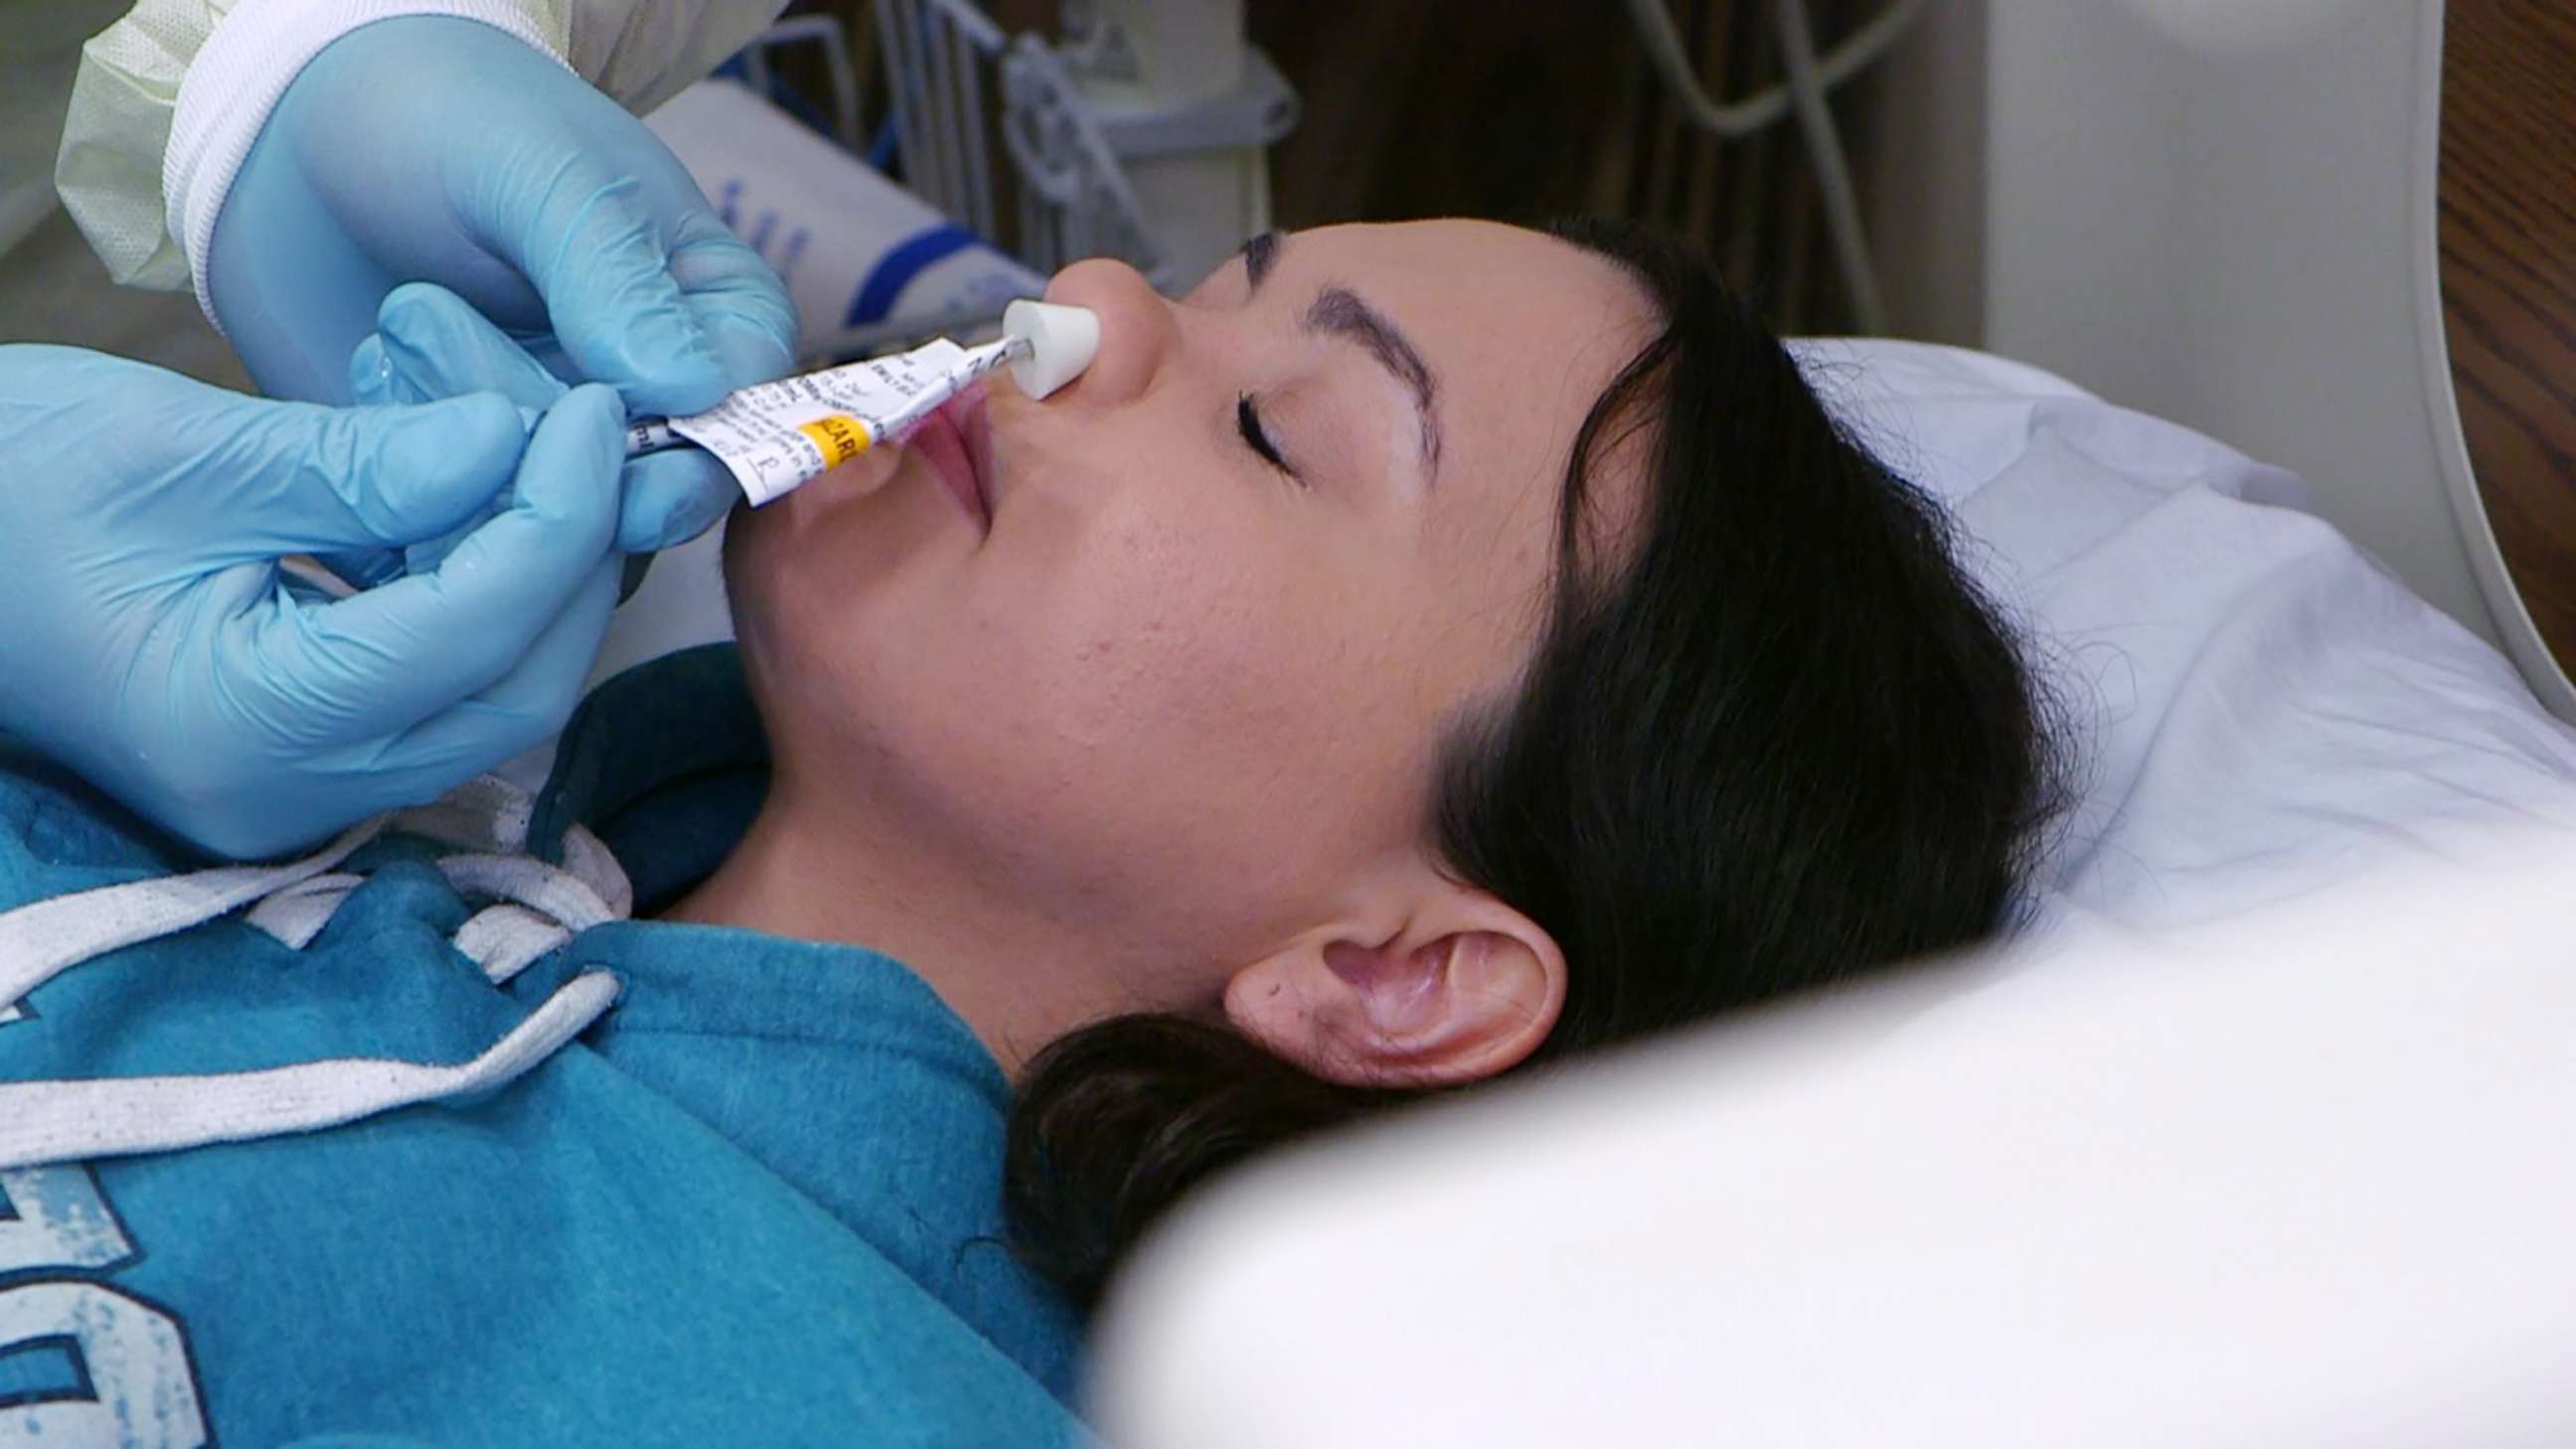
2256	706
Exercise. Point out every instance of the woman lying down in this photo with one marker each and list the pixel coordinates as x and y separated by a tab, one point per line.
1419	654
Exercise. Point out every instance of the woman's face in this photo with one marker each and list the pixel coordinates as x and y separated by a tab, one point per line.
1157	681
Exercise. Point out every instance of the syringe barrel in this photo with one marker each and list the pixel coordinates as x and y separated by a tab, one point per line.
652	435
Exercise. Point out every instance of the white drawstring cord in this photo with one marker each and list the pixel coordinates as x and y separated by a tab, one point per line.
537	908
41	940
63	1121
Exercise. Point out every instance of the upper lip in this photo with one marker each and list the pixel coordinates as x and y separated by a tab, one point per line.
962	420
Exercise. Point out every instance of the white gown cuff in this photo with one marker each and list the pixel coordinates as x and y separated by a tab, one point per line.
247	64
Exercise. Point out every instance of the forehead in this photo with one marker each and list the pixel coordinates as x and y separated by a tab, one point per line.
1503	314
1523	331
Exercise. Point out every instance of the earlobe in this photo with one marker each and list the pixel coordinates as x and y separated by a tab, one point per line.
1465	994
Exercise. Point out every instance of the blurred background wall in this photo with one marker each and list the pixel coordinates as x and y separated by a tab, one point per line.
1529	110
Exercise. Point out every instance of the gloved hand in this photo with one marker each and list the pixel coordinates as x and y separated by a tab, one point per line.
428	344
438	149
150	640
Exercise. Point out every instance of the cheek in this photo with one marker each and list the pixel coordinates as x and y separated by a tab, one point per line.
1140	621
1137	685
1181	693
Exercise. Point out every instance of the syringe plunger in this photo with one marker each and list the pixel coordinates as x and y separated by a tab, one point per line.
773	436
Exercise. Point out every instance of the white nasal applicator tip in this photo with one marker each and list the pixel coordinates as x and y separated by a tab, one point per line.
1062	341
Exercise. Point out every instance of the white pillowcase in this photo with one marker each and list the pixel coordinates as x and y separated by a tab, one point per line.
2256	706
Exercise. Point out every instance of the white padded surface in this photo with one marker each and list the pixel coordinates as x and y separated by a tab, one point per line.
2285	1181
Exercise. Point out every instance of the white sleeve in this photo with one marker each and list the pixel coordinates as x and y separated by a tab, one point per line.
169	99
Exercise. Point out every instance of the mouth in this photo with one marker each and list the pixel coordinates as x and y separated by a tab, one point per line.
955	441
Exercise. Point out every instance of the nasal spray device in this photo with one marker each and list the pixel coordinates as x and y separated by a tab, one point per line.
777	436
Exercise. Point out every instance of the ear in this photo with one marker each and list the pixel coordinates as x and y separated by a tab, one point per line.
1462	987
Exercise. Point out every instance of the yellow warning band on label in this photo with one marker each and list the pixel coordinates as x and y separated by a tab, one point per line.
840	437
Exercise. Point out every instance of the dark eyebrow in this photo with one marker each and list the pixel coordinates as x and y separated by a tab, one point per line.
1339	312
1258	253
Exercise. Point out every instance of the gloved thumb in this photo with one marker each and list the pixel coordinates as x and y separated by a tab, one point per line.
310	479
431	343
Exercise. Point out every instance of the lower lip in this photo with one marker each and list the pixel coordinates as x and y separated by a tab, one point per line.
941	441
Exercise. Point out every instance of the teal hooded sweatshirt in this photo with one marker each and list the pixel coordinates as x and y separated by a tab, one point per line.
366	1154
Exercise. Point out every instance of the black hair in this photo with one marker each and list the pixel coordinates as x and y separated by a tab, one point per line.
1779	740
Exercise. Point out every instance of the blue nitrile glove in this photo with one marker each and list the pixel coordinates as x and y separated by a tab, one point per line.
150	640
429	148
428	344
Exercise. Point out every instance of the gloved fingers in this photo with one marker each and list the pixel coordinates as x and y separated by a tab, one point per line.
430	343
550	355
269	478
393	656
738	301
363	568
672	497
523	708
595	250
41	377
213	477
371	375
85	421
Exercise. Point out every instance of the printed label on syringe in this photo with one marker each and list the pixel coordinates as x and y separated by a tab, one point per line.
839	438
776	435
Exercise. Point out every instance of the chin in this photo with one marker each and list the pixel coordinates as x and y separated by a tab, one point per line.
783	550
746	600
810	610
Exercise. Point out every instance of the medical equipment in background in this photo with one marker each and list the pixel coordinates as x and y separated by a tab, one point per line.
777	436
1141	138
1166	86
1804	91
868	264
1186	108
1141	135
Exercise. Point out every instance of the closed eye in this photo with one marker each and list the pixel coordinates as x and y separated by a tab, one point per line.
1247	421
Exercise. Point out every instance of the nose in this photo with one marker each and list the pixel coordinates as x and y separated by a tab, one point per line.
1138	331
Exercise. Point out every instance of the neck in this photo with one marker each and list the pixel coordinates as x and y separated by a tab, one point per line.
1017	983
